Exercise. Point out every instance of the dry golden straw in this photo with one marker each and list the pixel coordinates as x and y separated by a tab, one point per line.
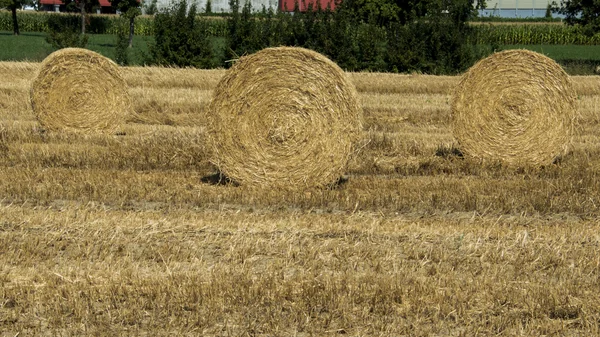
285	118
515	106
79	90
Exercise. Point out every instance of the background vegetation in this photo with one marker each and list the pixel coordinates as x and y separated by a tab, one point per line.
429	41
181	38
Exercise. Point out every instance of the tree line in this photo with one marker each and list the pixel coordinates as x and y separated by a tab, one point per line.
429	36
129	10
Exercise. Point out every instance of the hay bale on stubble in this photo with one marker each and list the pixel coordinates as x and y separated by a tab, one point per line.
284	118
79	90
515	106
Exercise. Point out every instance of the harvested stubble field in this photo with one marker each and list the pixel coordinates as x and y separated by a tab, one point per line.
118	235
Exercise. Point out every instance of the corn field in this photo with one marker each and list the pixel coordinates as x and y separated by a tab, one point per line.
534	34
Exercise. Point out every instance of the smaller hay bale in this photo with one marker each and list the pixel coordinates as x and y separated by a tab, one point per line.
515	106
284	118
79	90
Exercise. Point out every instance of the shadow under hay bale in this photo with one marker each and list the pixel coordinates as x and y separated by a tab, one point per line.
448	152
339	183
284	118
515	106
79	90
218	179
3	140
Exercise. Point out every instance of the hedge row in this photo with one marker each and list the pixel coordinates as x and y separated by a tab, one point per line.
486	34
98	24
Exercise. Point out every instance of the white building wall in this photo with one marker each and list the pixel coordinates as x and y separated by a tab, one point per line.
516	8
517	4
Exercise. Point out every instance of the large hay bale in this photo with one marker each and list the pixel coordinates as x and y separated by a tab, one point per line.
284	118
80	90
515	106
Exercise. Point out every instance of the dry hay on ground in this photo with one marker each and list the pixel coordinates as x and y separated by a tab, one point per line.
284	118
515	106
77	89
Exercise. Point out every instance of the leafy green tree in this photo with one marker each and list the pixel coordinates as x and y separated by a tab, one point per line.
63	32
180	38
129	9
548	14
244	31
480	4
122	45
585	13
456	12
438	42
340	38
299	26
84	7
151	8
317	22
272	24
385	12
371	47
13	5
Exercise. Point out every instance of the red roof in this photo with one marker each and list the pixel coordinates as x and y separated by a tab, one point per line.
103	3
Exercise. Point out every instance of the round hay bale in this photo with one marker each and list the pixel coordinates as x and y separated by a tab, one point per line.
79	90
516	106
284	118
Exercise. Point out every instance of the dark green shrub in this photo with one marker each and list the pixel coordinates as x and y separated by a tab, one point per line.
244	31
371	45
180	38
432	47
150	8
122	45
272	27
339	40
100	24
64	32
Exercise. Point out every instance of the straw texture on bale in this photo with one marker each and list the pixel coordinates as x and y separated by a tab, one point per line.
79	90
517	107
285	118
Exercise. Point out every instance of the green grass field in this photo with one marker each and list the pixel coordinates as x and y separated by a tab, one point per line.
562	52
575	59
33	47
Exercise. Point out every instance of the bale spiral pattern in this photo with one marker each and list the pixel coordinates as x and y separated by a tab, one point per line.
79	90
515	106
284	118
